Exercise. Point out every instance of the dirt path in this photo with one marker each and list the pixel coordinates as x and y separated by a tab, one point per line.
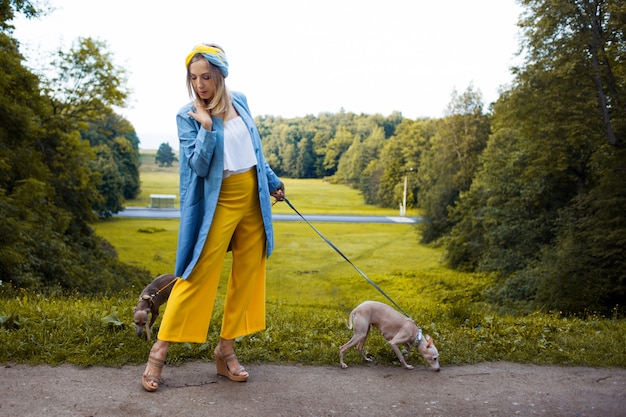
487	389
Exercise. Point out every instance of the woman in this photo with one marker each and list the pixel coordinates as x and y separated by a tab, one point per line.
225	188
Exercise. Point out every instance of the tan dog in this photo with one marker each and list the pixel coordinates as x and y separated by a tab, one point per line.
150	300
395	327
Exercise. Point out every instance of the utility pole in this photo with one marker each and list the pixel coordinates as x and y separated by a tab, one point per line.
406	179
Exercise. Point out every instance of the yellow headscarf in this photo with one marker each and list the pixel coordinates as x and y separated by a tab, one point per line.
214	55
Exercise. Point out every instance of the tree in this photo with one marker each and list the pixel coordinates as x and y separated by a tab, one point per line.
543	210
351	163
588	269
85	81
382	180
118	135
47	188
582	39
111	185
165	155
388	173
450	162
358	156
495	229
8	9
573	46
84	86
305	163
336	147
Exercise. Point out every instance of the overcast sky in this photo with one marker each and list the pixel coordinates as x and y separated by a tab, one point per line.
294	58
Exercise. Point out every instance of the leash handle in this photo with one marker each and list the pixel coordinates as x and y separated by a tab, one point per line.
348	260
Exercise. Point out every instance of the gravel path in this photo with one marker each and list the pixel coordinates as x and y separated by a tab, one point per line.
193	389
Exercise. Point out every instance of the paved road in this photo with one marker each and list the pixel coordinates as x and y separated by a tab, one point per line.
164	213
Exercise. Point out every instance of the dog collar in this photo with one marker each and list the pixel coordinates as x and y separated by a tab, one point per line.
147	297
418	337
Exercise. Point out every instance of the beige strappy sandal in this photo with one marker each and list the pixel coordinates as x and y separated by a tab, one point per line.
148	380
221	363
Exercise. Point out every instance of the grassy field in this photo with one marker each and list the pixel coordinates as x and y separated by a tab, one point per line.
309	196
310	290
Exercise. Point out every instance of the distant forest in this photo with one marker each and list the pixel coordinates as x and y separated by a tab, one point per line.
531	190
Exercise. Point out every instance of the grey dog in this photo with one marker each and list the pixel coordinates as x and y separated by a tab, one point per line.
396	328
150	300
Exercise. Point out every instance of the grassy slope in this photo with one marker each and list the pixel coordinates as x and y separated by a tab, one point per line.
310	292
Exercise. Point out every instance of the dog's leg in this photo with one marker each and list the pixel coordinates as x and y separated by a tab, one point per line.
396	349
355	339
154	313
360	347
408	351
361	330
147	331
360	334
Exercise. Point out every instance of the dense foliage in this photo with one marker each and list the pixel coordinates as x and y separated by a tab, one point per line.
534	191
545	210
52	180
371	153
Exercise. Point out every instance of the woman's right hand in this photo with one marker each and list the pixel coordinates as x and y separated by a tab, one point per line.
202	116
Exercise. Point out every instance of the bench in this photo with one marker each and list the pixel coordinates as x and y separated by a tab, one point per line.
162	200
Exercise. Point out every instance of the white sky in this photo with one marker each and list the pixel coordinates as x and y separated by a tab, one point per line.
294	58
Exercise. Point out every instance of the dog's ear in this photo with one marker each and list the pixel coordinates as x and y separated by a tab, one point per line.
135	310
430	342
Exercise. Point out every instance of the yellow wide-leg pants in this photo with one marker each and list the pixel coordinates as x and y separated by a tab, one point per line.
237	220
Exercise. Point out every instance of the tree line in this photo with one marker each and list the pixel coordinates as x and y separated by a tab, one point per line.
531	190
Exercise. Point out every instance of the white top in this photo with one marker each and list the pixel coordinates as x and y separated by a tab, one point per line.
238	151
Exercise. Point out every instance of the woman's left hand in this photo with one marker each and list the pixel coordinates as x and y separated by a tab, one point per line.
279	193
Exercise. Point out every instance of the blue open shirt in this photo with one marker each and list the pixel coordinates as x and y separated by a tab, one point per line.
201	171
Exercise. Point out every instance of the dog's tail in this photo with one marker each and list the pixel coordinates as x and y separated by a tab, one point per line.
350	320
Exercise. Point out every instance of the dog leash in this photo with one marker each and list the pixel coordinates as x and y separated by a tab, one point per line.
348	260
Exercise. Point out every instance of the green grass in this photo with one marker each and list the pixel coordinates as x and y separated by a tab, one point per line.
310	291
155	180
99	331
148	243
309	196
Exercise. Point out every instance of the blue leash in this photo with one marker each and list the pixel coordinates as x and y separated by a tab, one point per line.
348	260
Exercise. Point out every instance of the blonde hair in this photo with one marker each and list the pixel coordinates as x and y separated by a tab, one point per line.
220	102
